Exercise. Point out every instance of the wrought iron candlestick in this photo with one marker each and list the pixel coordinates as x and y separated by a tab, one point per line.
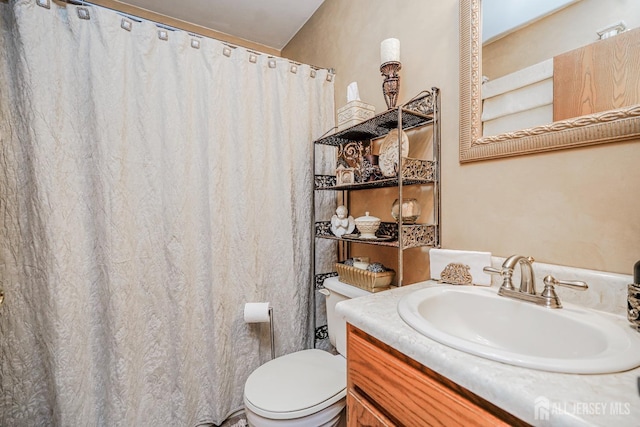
391	83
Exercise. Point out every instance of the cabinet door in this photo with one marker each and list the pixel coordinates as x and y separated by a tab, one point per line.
407	393
361	413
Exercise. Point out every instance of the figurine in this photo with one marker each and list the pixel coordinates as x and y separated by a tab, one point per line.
342	224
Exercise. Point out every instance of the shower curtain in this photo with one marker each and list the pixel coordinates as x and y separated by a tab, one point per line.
151	183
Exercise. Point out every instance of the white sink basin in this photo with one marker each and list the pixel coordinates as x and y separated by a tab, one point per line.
478	321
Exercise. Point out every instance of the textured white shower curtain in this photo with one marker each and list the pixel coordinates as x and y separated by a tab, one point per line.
148	189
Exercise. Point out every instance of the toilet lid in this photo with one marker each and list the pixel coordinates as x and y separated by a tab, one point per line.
296	385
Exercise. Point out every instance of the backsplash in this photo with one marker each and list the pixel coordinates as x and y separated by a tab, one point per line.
607	291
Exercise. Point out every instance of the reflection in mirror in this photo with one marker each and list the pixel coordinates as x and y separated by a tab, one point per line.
551	83
531	77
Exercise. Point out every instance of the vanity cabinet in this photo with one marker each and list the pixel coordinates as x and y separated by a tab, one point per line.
387	388
355	142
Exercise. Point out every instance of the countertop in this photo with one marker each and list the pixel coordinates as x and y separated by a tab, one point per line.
531	395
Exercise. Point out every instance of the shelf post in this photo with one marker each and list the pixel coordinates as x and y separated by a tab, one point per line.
400	185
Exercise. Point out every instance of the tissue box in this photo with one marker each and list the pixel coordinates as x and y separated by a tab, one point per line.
353	113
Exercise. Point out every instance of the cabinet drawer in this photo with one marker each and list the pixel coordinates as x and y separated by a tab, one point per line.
362	413
406	394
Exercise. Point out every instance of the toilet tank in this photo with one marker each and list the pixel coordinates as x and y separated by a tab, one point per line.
337	326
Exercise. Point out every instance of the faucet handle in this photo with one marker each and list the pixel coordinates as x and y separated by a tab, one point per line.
549	292
550	281
505	273
492	270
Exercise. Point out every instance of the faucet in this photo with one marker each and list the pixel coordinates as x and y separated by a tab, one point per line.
527	278
527	289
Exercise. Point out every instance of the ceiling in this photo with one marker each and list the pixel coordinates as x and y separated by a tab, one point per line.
271	23
501	17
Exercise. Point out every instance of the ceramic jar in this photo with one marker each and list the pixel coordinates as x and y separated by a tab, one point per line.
367	226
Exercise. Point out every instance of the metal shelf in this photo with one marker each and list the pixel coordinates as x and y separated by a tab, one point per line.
414	172
416	113
413	235
423	110
381	183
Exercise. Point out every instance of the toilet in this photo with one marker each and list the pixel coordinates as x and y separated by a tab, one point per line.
306	388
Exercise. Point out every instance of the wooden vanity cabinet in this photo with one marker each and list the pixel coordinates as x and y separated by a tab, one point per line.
387	388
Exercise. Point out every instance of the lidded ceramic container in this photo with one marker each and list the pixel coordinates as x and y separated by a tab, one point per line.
367	226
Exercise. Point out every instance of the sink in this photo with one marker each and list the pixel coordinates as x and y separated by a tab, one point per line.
479	321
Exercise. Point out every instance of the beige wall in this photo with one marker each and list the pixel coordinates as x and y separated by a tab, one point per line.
556	34
577	207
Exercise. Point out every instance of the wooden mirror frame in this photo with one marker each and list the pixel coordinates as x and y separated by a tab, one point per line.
598	128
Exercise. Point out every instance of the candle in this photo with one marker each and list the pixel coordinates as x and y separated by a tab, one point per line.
390	50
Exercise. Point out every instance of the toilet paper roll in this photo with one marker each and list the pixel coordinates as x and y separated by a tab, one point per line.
256	312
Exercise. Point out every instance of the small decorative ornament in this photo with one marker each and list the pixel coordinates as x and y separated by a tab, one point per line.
163	35
369	169
351	154
345	176
226	51
341	222
195	43
456	274
633	298
633	305
253	58
376	267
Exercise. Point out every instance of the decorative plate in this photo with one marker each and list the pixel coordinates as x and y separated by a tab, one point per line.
388	159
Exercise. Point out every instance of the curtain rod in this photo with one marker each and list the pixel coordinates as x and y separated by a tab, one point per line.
111	5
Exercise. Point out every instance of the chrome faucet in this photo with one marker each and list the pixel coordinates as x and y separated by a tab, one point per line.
527	290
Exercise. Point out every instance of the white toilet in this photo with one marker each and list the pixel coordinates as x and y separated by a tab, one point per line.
306	388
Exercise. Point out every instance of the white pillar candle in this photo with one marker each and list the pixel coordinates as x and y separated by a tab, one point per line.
390	50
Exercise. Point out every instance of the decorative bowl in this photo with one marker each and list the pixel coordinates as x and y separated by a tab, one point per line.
367	226
410	210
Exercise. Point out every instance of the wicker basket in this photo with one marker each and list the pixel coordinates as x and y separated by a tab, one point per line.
367	280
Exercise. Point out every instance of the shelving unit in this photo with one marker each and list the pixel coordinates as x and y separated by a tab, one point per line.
421	111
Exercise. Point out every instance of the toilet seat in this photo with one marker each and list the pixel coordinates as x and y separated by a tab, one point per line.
296	385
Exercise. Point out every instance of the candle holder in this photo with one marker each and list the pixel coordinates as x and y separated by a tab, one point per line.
391	83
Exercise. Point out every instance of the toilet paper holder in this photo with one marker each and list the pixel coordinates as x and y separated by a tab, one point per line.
254	313
273	347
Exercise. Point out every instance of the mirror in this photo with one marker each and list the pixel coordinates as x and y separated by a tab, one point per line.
602	127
